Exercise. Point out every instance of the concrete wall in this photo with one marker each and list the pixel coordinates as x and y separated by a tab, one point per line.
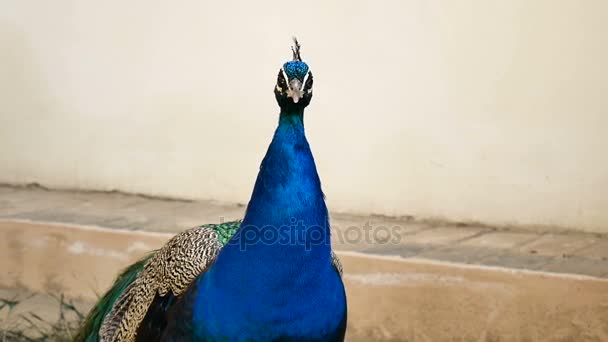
468	110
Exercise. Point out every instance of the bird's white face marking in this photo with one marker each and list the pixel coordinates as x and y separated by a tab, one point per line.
295	87
285	75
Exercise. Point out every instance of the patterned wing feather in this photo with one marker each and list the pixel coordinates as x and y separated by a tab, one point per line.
89	331
170	270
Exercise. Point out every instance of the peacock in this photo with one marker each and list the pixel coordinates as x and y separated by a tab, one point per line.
270	277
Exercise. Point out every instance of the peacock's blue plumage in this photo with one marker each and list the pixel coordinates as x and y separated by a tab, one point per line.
276	289
276	279
295	69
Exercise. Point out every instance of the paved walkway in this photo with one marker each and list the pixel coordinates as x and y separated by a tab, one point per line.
550	250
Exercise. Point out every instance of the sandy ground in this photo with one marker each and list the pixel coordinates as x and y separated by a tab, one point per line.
389	298
396	300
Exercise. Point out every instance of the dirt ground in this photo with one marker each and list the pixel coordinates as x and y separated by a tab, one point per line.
389	298
409	301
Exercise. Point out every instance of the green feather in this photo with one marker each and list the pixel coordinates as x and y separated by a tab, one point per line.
90	328
225	231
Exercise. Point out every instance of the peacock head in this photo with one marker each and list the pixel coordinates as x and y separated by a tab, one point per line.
294	82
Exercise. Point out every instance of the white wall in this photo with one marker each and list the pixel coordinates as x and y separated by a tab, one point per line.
468	110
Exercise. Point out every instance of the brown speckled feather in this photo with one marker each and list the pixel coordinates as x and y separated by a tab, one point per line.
172	268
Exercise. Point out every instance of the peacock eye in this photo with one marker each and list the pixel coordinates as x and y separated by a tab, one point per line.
308	84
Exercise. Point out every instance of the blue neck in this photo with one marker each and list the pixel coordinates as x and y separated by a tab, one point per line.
288	181
286	217
280	257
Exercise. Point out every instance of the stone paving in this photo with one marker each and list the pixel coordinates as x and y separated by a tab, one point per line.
543	250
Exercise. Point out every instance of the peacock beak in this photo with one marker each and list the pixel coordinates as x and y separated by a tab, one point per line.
295	90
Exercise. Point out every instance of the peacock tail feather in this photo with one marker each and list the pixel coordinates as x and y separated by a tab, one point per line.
89	332
119	312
